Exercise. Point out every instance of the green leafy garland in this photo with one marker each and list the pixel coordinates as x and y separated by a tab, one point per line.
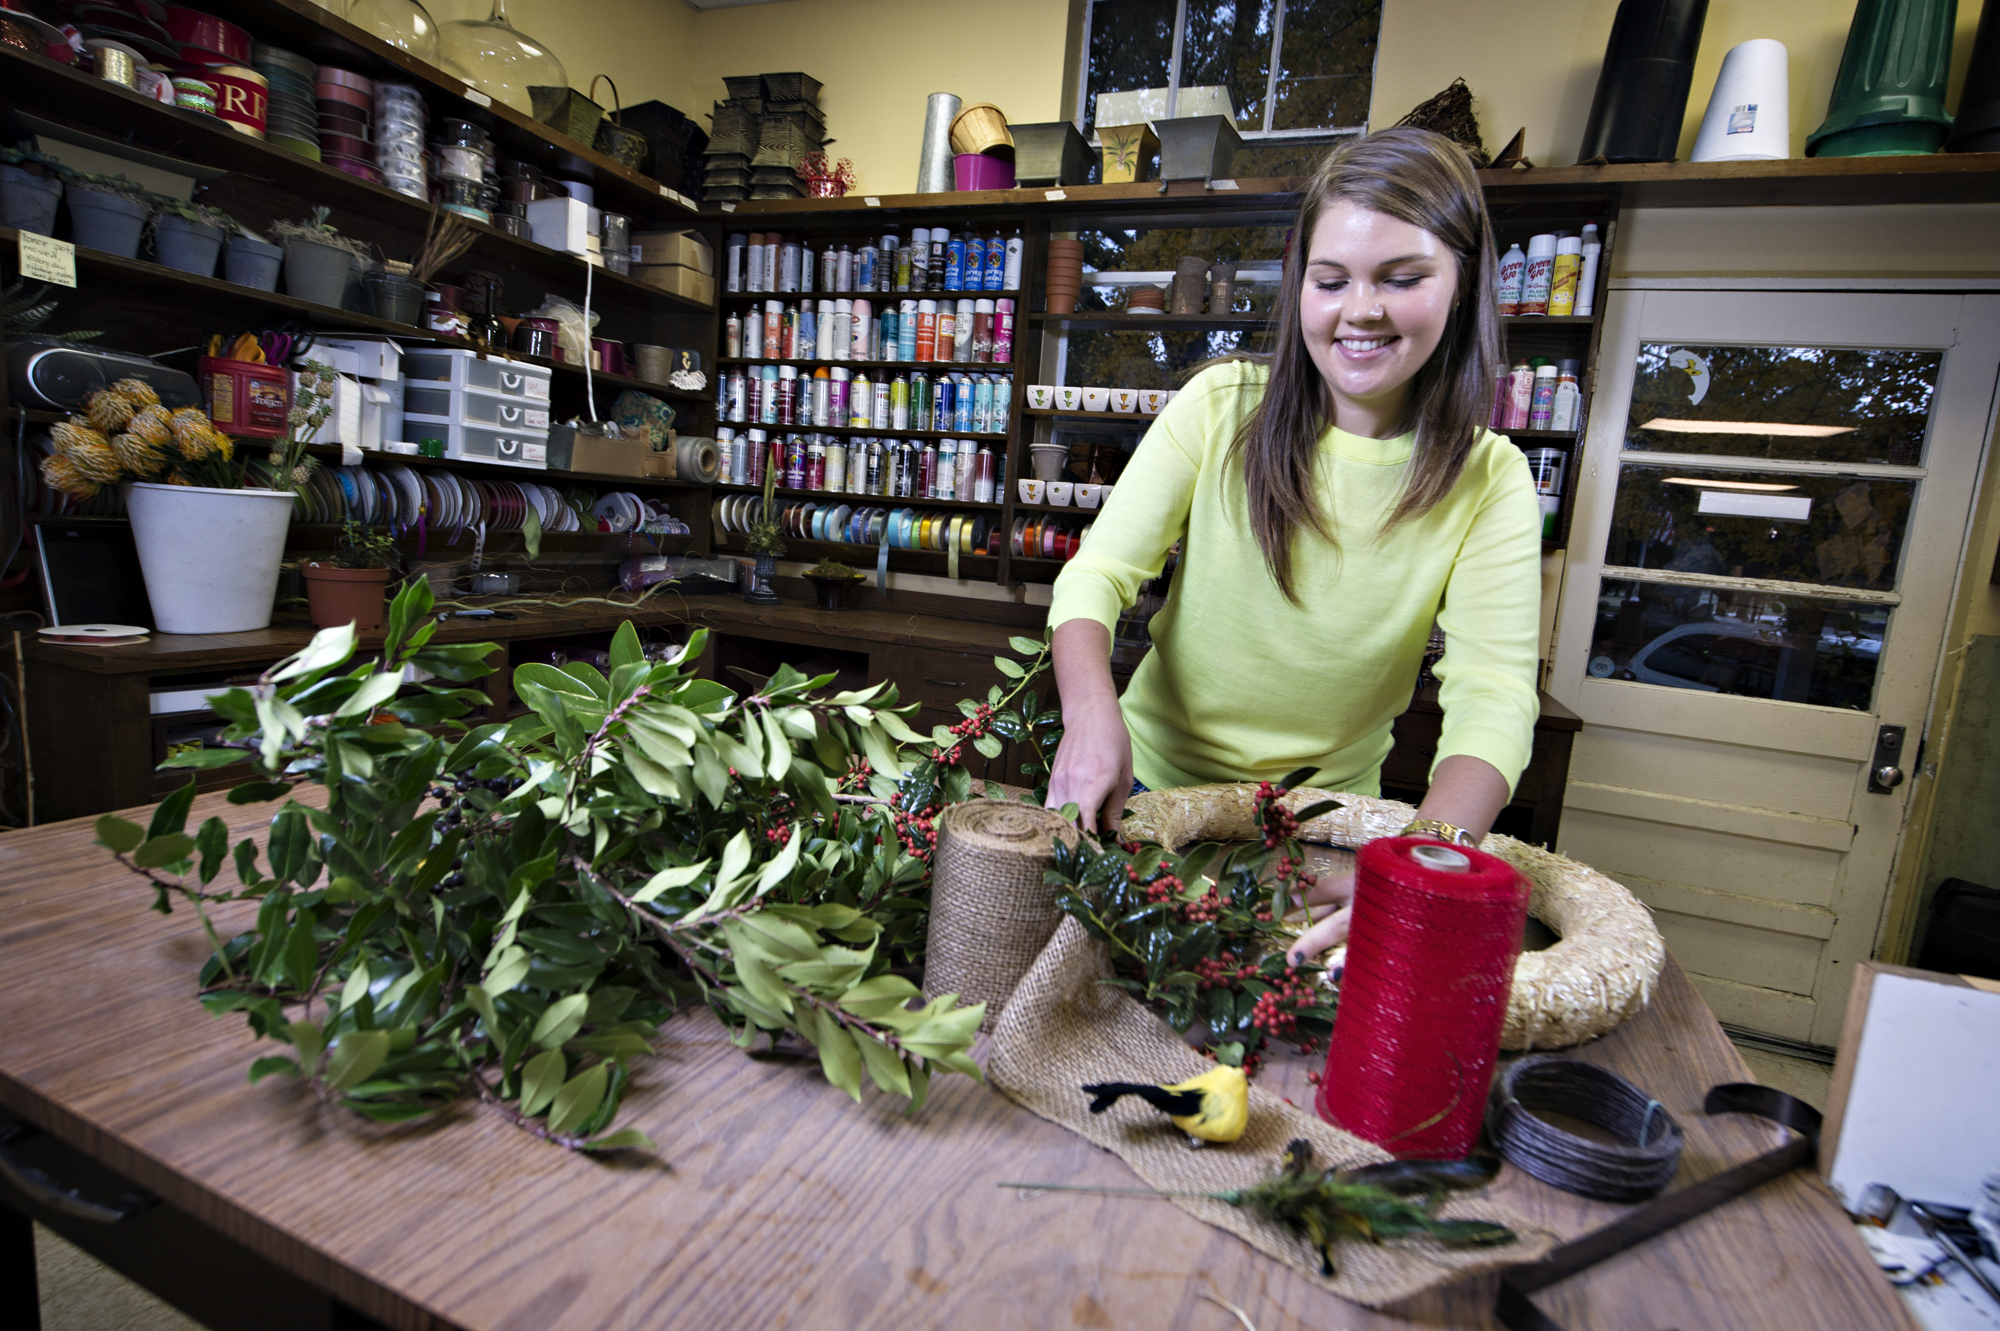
509	911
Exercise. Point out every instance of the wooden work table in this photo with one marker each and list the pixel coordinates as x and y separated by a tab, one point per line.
775	1201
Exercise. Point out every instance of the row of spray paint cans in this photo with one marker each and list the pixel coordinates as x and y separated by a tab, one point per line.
1555	276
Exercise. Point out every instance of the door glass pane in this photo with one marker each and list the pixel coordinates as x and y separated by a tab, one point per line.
1131	49
1229	46
1749	644
1327	68
1824	404
1782	526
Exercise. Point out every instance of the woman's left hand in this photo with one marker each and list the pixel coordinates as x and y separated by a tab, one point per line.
1331	900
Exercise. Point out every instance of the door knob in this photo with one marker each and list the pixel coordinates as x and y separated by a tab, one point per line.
1883	773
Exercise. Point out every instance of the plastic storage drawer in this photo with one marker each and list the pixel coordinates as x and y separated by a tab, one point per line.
464	369
445	406
476	443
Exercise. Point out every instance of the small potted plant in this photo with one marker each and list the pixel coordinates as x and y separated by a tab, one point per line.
832	582
351	587
251	261
31	185
188	236
109	213
766	541
318	259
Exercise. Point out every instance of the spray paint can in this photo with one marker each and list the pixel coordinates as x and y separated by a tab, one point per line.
1544	400
1563	276
1520	394
1513	268
1003	331
1540	271
1586	281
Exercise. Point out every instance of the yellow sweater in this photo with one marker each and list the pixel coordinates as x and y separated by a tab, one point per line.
1243	685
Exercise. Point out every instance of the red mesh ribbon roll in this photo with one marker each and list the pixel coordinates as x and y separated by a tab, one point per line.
1430	961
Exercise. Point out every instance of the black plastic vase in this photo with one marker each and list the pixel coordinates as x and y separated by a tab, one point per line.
1978	127
1642	91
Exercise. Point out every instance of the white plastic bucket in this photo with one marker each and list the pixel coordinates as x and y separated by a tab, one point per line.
1749	114
210	556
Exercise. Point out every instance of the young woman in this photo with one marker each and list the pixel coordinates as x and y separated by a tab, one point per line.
1333	500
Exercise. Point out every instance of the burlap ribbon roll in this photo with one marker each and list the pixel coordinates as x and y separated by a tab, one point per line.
991	913
1064	1028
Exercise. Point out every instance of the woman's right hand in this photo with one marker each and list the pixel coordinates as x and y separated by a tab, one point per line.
1093	767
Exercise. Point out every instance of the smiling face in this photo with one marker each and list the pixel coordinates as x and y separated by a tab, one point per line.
1377	298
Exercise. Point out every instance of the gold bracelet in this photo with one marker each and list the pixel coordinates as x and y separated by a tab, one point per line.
1441	831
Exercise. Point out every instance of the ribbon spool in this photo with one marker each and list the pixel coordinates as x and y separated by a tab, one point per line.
991	913
1423	998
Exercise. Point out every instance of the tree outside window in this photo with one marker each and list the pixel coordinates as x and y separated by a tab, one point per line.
1295	73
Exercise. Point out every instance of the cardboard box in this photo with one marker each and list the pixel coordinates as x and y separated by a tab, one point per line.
570	450
685	248
681	281
661	464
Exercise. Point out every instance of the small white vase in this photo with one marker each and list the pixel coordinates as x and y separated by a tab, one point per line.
210	557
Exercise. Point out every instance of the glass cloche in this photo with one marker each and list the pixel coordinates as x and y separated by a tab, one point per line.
498	59
401	23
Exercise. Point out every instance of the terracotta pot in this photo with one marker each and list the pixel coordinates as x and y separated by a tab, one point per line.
336	596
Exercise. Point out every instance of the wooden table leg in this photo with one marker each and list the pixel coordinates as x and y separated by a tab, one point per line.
19	1289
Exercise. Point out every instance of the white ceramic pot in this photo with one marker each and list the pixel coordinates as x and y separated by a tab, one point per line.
1124	399
1041	396
1151	400
1059	493
1069	399
210	557
1031	491
1096	399
1087	496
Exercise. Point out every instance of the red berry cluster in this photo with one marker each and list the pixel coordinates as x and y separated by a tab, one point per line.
1220	971
1276	1013
972	727
1205	909
918	831
1293	872
778	833
856	776
946	757
1276	820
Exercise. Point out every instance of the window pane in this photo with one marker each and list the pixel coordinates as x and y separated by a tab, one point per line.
1782	526
1280	157
1114	358
1784	403
1131	48
1793	649
1229	46
1327	69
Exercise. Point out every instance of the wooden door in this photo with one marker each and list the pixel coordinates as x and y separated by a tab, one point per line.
1769	524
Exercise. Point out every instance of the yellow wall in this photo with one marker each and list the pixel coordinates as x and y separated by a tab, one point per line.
1535	66
646	46
881	59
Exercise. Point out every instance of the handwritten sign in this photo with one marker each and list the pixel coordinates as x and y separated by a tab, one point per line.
476	97
872	201
45	259
1055	196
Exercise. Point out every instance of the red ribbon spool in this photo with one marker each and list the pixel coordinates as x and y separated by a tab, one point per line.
1430	963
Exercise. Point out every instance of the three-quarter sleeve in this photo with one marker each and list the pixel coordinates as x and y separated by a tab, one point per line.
1491	617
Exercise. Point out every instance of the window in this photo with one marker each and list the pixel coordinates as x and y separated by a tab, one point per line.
1287	72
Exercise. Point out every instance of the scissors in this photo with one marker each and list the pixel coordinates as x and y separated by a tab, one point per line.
287	344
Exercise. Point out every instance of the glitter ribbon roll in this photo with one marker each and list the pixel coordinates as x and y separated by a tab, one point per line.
1423	998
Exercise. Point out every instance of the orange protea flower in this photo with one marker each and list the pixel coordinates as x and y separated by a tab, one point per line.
61	474
153	424
176	478
138	391
98	461
107	412
224	445
136	455
72	435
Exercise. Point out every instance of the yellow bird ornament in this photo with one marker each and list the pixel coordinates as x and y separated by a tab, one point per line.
1213	1107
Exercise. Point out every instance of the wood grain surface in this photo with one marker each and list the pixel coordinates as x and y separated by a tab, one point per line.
774	1202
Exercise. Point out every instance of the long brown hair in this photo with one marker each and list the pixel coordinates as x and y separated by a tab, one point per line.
1426	180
